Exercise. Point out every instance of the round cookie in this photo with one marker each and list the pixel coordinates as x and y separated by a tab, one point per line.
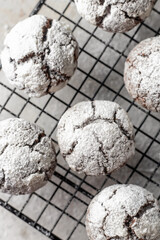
40	55
96	137
115	15
27	157
123	212
142	73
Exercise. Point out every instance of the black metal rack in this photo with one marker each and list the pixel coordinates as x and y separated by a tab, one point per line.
78	189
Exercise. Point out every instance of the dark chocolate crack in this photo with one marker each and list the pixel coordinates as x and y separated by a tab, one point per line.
127	223
13	61
91	120
144	55
80	166
136	19
4	148
40	136
103	225
32	146
2	177
45	29
46	70
120	126
38	140
26	57
149	205
114	238
101	2
51	74
114	193
71	149
93	107
102	150
104	219
99	19
118	122
129	220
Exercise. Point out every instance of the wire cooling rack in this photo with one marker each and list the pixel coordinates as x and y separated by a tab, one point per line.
58	210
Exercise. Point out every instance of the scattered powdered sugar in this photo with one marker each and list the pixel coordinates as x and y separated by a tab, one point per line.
40	55
115	15
27	157
123	212
96	137
142	73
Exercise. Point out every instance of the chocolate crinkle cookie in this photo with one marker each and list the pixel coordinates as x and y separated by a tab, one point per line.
123	212
40	55
115	15
96	137
142	73
27	157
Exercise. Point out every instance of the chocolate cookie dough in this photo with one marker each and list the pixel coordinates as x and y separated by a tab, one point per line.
115	15
96	137
142	73
123	212
27	157
40	55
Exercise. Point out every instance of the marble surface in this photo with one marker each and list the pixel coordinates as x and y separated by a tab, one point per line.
13	228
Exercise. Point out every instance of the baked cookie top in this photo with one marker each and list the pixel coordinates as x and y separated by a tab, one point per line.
123	212
115	15
27	157
40	55
95	137
142	73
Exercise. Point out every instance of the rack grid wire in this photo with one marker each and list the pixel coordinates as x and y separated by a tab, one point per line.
58	210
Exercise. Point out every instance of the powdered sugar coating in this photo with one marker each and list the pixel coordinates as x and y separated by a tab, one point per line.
123	212
95	137
40	55
142	73
27	157
115	15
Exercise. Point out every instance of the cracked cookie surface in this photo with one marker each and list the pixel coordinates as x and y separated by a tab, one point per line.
142	73
96	137
115	15
40	55
123	212
27	157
